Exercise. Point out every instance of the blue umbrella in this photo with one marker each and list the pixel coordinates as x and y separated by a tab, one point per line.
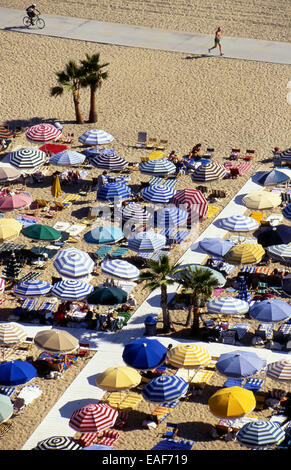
146	241
144	354
216	246
32	288
273	177
165	388
73	263
275	235
239	223
239	364
67	158
16	372
120	269
104	234
229	305
287	211
72	289
170	217
270	310
260	433
159	166
95	137
158	193
111	191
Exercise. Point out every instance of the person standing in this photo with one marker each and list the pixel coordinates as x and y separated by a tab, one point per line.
101	181
217	40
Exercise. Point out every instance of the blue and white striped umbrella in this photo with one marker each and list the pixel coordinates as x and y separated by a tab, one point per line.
135	213
32	288
73	263
260	433
286	154
282	252
146	241
71	289
239	223
165	388
158	193
170	217
67	158
120	269
111	191
160	166
95	137
108	161
229	305
287	211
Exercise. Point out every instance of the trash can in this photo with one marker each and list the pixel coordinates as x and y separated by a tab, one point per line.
150	325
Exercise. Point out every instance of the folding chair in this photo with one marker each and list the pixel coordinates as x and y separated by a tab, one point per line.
171	430
162	144
103	251
141	140
119	252
254	384
152	143
108	438
249	154
233	383
174	444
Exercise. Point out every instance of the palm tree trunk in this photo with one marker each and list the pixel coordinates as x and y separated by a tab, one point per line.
79	118
93	117
164	305
196	319
190	309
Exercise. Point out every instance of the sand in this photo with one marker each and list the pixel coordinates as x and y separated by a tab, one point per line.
223	104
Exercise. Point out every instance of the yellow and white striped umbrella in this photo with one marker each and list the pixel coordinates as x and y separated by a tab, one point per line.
188	356
280	370
245	253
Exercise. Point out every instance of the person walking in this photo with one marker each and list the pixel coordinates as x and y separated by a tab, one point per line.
217	40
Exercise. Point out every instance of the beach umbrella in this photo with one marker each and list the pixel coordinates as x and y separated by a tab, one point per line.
273	177
56	341
283	252
286	284
209	172
192	200
6	408
159	193
261	200
260	433
67	158
43	133
112	191
5	132
12	333
287	211
239	223
165	388
16	372
108	161
73	263
41	232
232	402
281	234
95	137
104	234
94	417
245	253
98	447
270	310
146	241
15	201
158	167
58	443
8	173
27	158
135	213
239	364
215	246
286	154
170	217
144	354
120	269
118	378
188	356
32	288
280	370
228	305
107	296
56	187
2	285
220	279
9	229
71	289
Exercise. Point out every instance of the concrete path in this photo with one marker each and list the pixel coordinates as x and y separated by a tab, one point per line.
137	36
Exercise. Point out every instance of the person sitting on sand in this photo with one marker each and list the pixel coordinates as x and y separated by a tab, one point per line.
172	156
2	144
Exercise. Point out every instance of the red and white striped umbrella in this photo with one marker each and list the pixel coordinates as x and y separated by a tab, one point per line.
11	333
192	200
43	133
94	417
280	370
2	285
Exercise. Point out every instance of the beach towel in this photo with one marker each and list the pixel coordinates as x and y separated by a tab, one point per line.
201	378
212	210
70	198
61	225
29	393
253	384
186	374
174	444
26	220
244	167
76	229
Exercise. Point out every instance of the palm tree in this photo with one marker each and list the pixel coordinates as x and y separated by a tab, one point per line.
159	277
93	77
70	80
199	283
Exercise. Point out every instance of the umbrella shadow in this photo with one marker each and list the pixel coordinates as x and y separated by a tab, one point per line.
26	123
238	199
68	409
197	431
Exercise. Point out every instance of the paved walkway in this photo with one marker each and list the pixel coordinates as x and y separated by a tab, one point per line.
137	36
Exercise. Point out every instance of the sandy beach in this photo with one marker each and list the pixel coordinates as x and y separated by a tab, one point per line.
183	99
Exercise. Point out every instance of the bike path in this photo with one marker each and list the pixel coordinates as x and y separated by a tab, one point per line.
83	29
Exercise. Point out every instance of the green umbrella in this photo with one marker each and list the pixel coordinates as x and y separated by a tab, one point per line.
107	296
41	232
6	408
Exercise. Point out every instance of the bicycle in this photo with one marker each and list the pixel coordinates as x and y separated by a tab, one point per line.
36	21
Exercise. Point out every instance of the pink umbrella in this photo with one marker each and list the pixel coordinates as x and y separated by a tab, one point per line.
15	201
43	133
94	417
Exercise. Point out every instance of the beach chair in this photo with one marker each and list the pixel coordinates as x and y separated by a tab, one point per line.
141	140
171	430
119	252
121	420
234	155
161	413
5	427
253	384
152	142
103	251
85	439
130	401
109	437
162	144
84	349
174	444
233	383
249	154
201	378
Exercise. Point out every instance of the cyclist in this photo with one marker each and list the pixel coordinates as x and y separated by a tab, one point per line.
32	12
